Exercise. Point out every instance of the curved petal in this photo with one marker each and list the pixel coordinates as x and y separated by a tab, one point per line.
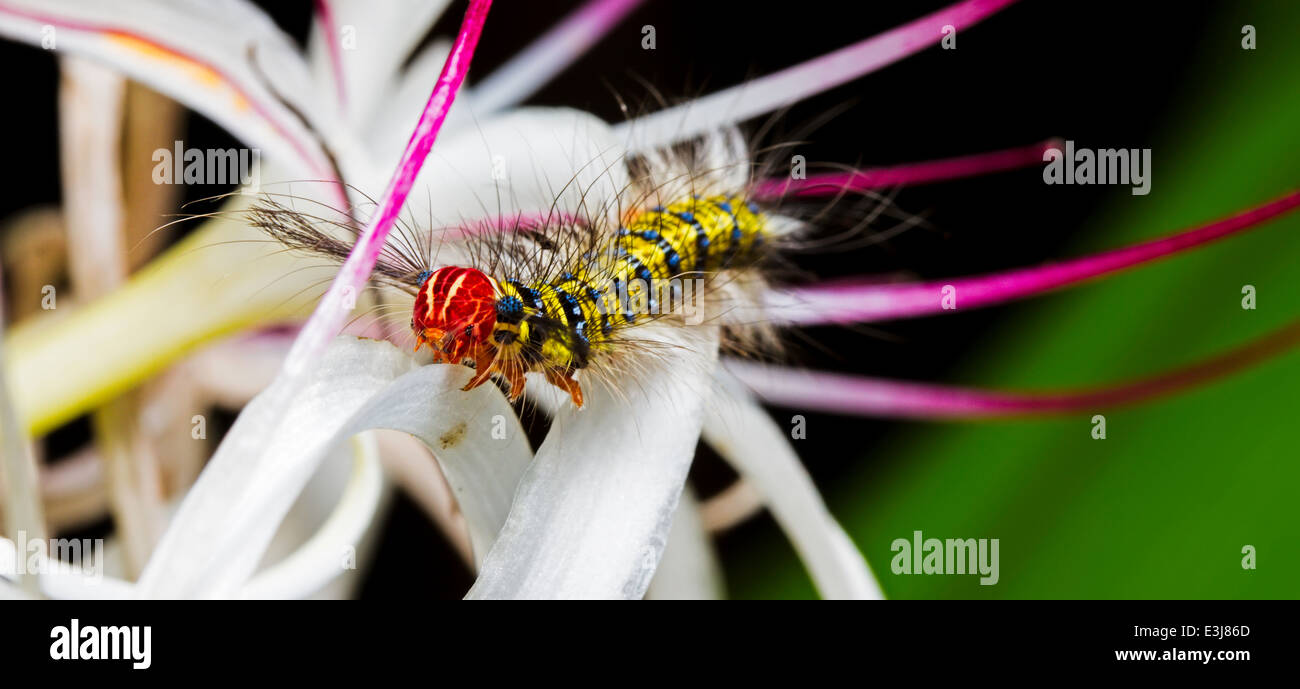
226	521
241	304
410	465
368	42
731	507
593	510
317	561
215	57
744	435
689	569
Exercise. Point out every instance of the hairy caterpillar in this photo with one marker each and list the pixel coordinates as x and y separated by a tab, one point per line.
555	326
569	293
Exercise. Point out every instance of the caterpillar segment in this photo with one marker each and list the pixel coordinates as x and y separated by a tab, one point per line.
555	325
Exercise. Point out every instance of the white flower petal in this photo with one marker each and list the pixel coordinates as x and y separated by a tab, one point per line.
225	523
410	466
69	584
743	433
319	560
10	591
20	490
403	102
374	39
689	569
213	56
91	101
593	511
530	159
731	507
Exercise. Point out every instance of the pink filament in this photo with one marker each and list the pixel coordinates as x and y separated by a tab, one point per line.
864	396
796	83
903	175
325	15
856	301
327	320
535	65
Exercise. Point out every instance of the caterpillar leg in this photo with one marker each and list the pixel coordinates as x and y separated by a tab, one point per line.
484	364
565	382
437	342
514	375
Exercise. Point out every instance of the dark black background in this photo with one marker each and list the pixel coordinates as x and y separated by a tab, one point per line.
1101	73
747	646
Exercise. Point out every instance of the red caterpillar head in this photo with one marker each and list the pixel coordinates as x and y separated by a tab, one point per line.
455	312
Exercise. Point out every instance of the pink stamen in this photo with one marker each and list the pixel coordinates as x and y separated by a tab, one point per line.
853	301
794	84
328	317
547	56
865	396
904	175
325	15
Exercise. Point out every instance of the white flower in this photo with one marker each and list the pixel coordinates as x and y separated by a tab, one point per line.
591	512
